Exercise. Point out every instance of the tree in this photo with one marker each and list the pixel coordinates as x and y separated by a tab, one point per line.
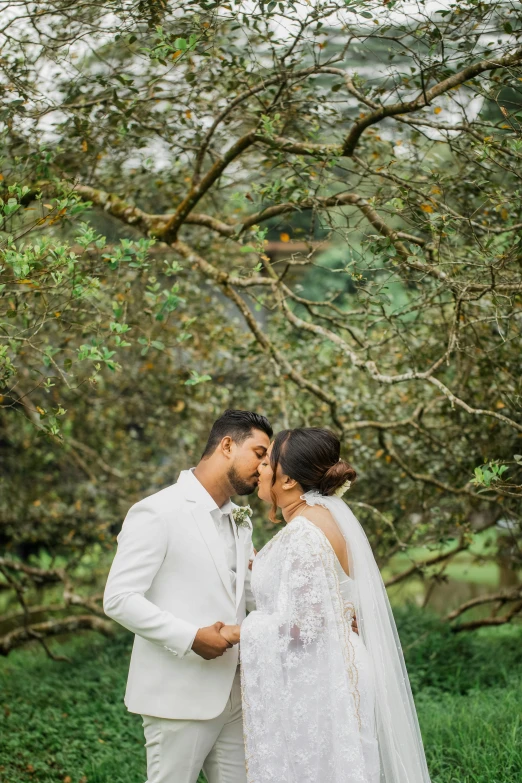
344	177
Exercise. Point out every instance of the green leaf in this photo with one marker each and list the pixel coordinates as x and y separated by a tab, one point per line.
197	378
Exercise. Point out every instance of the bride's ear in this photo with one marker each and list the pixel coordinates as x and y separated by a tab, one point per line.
288	483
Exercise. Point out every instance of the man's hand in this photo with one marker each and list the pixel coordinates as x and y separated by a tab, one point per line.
231	633
209	643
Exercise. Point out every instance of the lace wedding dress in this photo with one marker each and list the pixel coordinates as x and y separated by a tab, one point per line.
314	709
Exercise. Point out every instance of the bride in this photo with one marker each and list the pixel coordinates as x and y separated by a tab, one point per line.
321	703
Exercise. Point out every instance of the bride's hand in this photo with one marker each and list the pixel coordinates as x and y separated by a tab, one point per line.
231	633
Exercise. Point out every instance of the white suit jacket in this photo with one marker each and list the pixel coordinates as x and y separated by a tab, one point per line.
170	577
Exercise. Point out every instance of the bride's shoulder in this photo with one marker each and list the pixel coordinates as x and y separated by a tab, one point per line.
316	523
309	527
302	542
319	517
319	523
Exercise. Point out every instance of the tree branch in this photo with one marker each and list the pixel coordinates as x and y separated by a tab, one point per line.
424	99
429	561
248	93
371	368
472	625
157	225
226	283
170	229
37	575
44	630
503	596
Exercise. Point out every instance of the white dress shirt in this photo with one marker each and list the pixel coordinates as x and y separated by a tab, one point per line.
227	533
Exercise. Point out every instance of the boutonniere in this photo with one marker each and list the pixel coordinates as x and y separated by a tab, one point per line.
242	515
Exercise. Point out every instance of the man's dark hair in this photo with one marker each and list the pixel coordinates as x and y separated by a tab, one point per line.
238	425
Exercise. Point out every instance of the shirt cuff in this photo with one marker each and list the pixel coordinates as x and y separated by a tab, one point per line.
190	643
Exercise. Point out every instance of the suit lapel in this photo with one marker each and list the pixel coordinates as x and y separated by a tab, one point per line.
211	538
240	561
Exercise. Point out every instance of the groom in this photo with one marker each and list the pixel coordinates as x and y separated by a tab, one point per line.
179	574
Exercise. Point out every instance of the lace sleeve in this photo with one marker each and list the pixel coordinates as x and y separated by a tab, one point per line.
301	599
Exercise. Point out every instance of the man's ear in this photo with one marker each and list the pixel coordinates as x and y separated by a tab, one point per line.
226	446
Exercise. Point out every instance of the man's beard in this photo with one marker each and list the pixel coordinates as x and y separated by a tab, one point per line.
239	485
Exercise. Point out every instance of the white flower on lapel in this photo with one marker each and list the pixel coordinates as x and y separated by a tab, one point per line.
242	515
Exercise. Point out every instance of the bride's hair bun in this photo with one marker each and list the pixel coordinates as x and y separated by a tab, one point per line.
337	474
310	455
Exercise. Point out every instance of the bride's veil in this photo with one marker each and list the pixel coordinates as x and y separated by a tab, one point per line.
398	732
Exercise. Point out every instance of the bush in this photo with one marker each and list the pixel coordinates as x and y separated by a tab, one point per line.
446	662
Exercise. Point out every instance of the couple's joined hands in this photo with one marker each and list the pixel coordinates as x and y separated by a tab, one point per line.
213	640
231	633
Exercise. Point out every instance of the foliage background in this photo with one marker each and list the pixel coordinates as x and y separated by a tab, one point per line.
308	209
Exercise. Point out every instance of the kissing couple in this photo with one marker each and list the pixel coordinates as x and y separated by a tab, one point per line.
250	666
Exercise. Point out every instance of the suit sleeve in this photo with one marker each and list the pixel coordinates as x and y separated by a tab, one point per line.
142	546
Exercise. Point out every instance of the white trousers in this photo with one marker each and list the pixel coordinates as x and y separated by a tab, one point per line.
177	750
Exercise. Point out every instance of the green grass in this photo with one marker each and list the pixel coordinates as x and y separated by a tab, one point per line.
475	738
61	721
64	720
